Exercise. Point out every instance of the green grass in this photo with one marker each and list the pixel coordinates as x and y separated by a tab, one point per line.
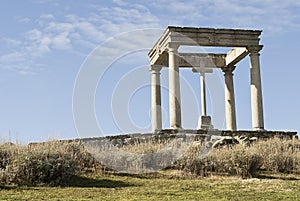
128	187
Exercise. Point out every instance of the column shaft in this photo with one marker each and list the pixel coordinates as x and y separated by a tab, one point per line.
256	91
203	94
156	98
229	99
174	89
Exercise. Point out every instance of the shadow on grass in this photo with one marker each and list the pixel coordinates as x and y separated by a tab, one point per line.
281	177
151	175
7	187
86	182
78	181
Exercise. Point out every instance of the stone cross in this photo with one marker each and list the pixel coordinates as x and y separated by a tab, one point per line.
204	120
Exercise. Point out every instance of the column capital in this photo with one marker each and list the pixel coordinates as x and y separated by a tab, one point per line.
173	47
255	49
202	70
228	70
155	68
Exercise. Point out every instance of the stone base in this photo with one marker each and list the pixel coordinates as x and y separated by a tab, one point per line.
205	122
197	135
260	134
200	135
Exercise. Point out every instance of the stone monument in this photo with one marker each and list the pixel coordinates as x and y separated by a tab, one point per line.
165	54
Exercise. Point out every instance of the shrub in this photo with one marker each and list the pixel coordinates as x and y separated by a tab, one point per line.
7	151
275	155
4	158
36	168
50	163
280	155
239	160
196	161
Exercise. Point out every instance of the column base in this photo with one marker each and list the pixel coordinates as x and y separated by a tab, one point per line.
258	129
176	127
204	122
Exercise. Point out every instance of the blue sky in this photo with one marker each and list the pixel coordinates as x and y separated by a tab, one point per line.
44	44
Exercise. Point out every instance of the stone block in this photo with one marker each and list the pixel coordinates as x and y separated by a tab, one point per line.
205	122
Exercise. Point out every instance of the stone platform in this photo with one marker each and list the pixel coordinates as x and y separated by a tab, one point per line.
196	135
163	148
261	134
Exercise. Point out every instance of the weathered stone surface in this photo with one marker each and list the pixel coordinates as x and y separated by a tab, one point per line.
191	60
200	134
256	89
230	113
235	55
202	37
174	88
205	122
156	97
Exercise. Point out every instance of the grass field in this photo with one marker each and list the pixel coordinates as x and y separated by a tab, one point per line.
58	163
163	187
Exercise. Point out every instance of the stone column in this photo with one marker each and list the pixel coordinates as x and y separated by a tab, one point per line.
229	98
156	97
204	121
256	91
203	93
174	88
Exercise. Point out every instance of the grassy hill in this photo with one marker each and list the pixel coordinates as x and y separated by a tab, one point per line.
162	187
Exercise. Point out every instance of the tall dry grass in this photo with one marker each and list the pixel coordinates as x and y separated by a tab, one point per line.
138	157
274	155
51	163
280	155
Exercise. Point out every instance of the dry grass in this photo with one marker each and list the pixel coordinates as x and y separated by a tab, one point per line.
138	157
274	155
53	163
280	155
198	159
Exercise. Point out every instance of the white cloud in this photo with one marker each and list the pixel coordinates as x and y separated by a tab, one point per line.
269	15
81	33
120	2
33	35
57	27
47	16
61	41
75	33
10	43
90	31
24	20
19	63
37	43
12	57
41	46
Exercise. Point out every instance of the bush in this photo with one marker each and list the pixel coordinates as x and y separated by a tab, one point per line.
239	160
196	161
51	163
275	155
4	158
280	155
7	151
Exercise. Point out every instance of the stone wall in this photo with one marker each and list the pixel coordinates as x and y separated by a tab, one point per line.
197	135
